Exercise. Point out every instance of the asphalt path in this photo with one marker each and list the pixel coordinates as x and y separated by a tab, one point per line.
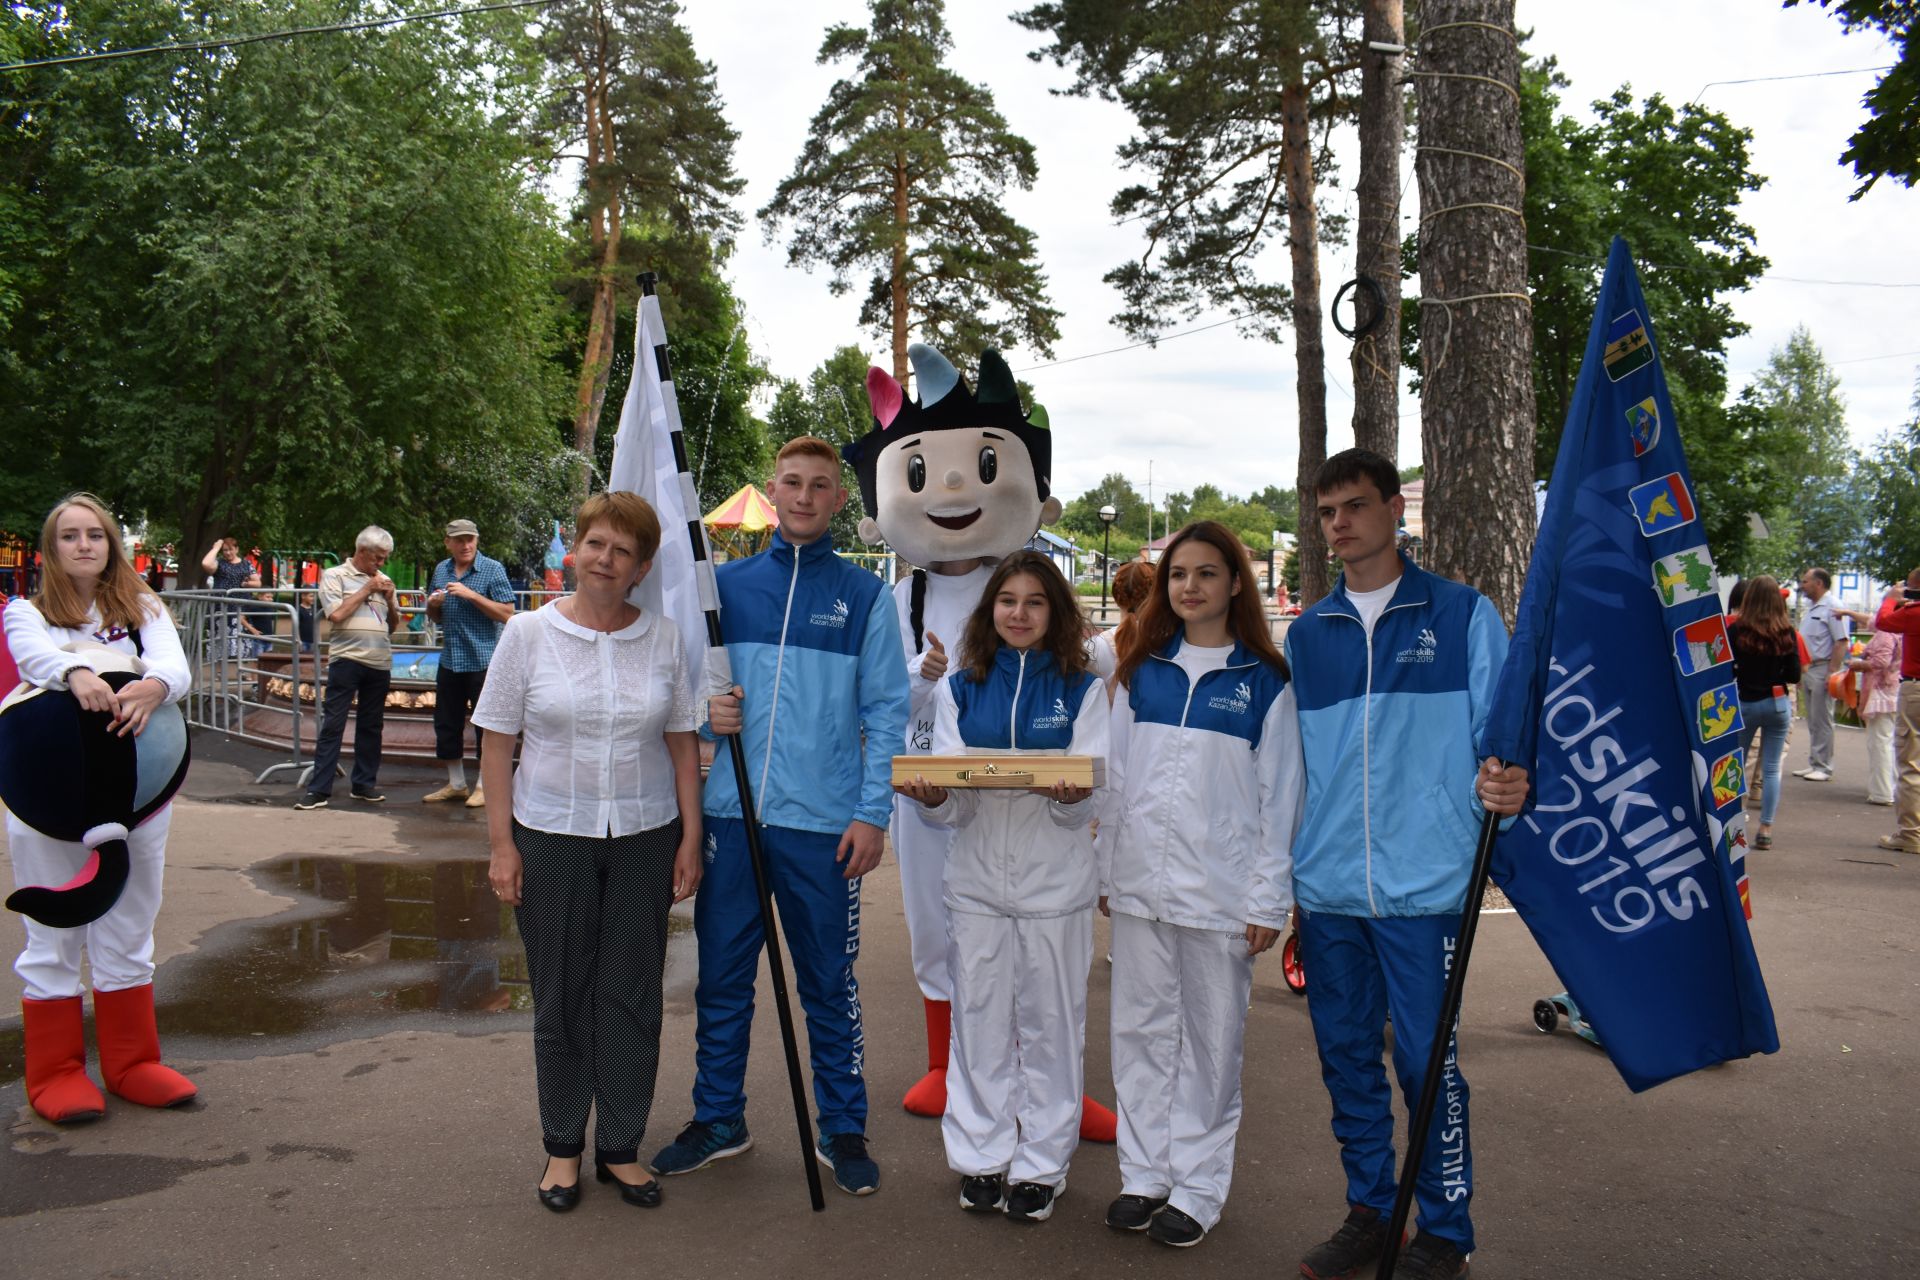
345	1129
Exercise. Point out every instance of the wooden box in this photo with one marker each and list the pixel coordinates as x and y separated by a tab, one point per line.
1002	771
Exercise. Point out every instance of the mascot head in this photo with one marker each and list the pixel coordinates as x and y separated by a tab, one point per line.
69	776
958	475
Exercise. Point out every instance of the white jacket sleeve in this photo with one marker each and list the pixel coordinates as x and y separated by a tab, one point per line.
1112	802
1283	785
39	657
961	804
161	651
1091	732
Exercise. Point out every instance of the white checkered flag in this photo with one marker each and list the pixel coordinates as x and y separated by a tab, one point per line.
650	459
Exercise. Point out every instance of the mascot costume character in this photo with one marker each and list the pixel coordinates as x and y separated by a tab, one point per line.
952	483
67	778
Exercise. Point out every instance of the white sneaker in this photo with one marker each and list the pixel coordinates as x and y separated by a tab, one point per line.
1801	773
1818	775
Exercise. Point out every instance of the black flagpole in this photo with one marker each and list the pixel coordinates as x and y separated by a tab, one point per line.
1422	1118
748	816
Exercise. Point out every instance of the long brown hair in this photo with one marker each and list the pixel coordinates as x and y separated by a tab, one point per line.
1246	620
1132	584
121	597
1763	616
1065	638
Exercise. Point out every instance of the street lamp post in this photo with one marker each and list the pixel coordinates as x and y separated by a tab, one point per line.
1107	516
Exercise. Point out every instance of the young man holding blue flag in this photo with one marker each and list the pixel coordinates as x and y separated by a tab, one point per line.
1394	671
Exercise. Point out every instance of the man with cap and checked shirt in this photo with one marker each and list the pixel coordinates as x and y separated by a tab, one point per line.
471	599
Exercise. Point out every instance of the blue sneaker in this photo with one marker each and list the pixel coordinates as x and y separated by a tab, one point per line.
700	1144
854	1172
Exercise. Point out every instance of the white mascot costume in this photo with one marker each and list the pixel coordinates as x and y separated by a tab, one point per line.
952	483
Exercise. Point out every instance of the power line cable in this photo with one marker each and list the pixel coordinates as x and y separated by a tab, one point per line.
1804	75
198	46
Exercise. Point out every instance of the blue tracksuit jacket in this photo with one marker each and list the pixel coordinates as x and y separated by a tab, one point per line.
814	643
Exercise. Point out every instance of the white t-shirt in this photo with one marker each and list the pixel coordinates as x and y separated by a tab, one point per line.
1197	661
1372	604
592	707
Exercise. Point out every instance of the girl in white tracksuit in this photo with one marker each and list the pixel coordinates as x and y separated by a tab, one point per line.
1204	785
1020	889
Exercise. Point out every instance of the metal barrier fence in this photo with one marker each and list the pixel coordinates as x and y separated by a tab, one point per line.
230	683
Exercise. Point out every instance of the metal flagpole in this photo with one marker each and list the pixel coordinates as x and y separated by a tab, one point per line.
1422	1118
720	675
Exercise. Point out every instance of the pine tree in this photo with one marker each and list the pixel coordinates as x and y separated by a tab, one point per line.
655	147
901	176
1226	98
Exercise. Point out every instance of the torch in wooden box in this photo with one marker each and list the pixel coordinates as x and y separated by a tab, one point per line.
1002	771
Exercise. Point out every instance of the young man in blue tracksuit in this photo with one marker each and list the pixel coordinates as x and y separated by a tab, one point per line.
817	664
1393	673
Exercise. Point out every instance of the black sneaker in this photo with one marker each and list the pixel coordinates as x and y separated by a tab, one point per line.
854	1172
311	800
1170	1226
1133	1213
368	797
983	1193
1033	1201
1432	1257
1356	1244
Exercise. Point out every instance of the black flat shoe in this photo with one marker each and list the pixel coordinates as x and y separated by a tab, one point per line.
559	1199
646	1195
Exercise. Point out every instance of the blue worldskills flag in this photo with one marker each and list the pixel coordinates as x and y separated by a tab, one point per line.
1629	864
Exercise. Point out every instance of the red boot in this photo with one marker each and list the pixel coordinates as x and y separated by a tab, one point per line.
929	1096
56	1043
130	1049
1097	1123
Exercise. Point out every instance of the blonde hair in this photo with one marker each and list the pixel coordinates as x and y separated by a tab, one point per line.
120	596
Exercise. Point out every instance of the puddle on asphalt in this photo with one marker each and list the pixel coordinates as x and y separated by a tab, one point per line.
367	940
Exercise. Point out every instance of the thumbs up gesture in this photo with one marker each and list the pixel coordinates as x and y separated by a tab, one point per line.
933	663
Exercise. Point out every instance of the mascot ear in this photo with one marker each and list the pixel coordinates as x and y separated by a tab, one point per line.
933	372
869	531
996	380
884	394
1050	511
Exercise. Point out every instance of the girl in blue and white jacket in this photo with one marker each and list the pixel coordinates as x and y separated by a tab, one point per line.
1019	894
1204	783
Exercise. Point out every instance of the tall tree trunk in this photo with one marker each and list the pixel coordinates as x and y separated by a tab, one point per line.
1376	355
898	281
1476	334
603	231
1310	356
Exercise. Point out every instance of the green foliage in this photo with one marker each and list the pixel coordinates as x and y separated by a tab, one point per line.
655	101
715	373
289	288
1819	515
1670	180
1081	517
1254	520
900	180
1890	476
1888	144
1203	84
831	404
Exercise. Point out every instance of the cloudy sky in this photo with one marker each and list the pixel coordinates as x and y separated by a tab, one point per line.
1219	408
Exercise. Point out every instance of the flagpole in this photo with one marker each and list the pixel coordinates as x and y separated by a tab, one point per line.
1422	1118
710	599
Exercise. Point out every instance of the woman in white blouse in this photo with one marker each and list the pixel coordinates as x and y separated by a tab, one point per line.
603	836
91	600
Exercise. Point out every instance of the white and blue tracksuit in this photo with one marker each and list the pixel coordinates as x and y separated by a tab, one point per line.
813	643
1195	843
1390	723
1019	892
